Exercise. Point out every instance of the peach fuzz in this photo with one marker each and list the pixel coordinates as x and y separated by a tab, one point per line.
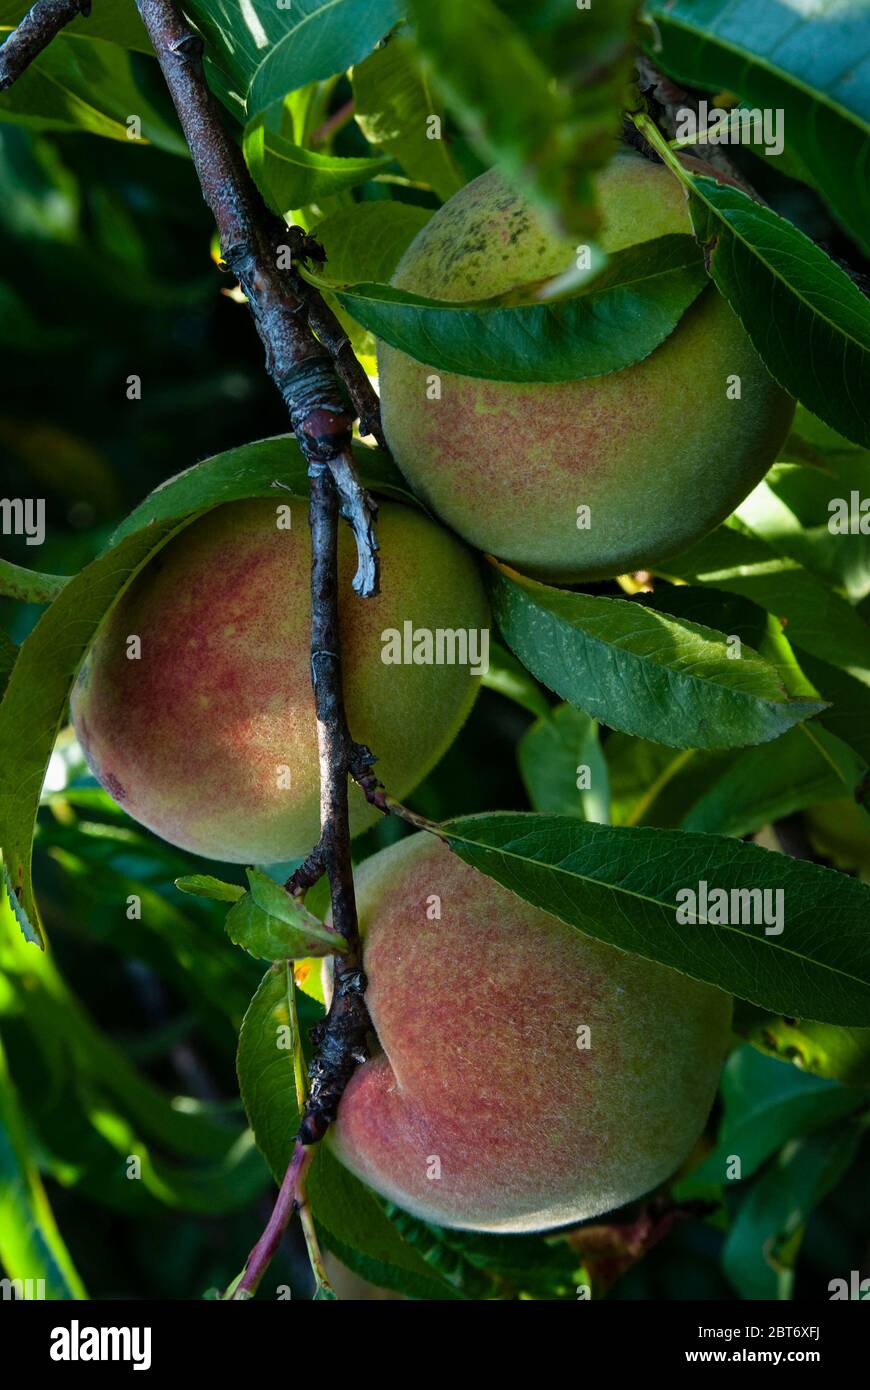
479	1077
199	737
657	451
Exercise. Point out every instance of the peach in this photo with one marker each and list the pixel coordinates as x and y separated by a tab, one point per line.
483	1107
209	736
658	451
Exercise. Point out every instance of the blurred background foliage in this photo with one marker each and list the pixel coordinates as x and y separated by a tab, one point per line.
121	1039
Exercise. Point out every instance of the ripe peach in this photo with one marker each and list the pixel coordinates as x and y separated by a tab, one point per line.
209	738
484	1108
658	451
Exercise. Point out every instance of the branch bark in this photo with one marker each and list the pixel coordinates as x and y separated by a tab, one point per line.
35	32
299	364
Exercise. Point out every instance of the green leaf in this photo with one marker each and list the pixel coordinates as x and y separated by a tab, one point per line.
810	61
8	653
842	1054
252	471
290	176
31	1247
367	241
558	752
818	621
393	106
654	785
764	1241
266	1066
352	1223
809	322
272	925
640	671
486	1266
624	314
117	22
261	55
205	886
538	92
89	86
812	518
35	700
621	885
510	678
805	766
765	1105
28	586
78	1053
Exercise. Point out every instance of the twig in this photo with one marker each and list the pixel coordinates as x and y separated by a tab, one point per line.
289	1198
298	363
337	121
35	32
340	1041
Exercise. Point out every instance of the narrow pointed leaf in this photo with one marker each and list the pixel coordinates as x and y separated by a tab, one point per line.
620	885
640	671
626	312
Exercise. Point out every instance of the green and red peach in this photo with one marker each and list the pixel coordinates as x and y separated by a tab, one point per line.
658	451
483	1107
209	736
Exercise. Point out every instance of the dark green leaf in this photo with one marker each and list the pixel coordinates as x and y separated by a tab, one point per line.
808	321
621	885
263	55
765	1105
563	766
817	621
805	766
352	1223
366	241
625	314
252	471
763	1243
8	653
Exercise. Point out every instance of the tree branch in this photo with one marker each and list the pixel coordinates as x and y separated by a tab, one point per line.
298	363
340	1041
35	32
288	314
